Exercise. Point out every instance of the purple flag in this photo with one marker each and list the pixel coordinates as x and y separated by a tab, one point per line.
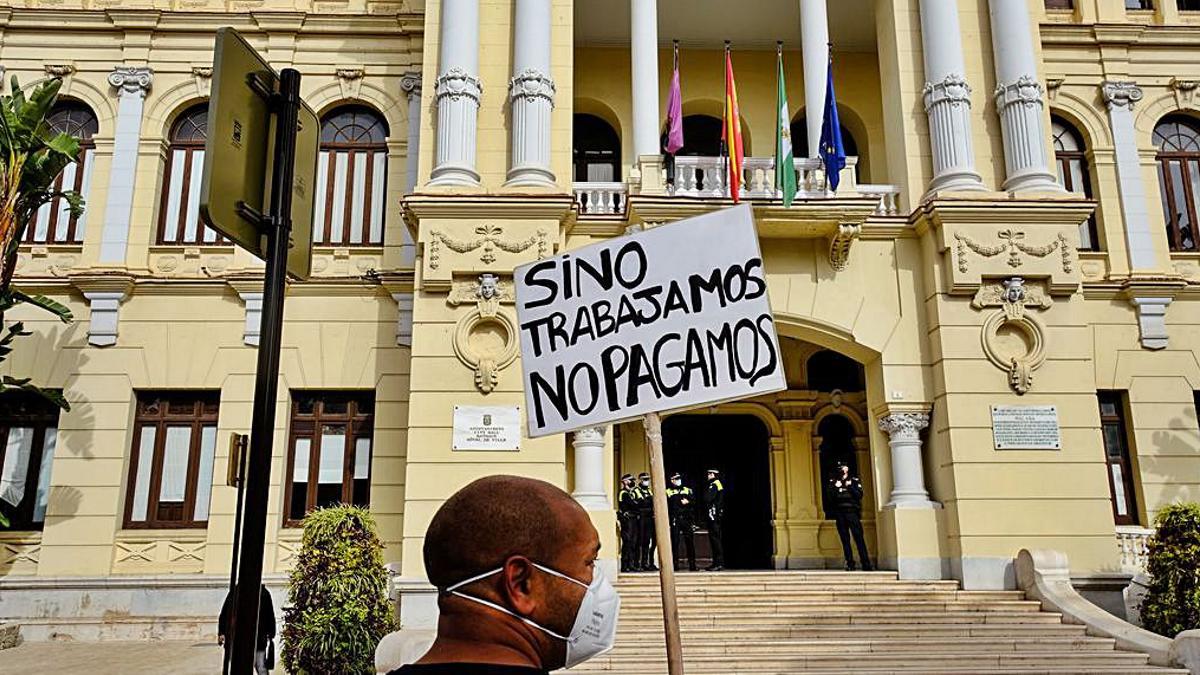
674	116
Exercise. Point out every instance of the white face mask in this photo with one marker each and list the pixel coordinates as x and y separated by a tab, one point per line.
645	483
595	628
676	482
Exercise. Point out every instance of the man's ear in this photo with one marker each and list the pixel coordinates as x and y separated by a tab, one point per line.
517	580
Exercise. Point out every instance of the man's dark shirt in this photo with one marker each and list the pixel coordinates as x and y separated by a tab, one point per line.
466	669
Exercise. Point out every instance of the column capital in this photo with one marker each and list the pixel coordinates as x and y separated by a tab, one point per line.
906	424
457	83
410	83
133	80
532	84
1120	94
590	435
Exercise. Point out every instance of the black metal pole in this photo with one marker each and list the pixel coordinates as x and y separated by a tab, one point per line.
266	384
237	541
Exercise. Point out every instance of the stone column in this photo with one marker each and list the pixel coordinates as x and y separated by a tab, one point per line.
643	47
947	99
411	85
457	94
1019	99
908	471
131	83
589	469
531	92
814	44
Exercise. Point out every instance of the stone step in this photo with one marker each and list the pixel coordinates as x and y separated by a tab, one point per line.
653	632
854	662
750	620
723	668
120	629
689	606
721	594
693	646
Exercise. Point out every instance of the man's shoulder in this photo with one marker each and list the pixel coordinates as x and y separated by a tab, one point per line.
466	669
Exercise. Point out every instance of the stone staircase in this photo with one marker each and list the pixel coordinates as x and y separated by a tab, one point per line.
850	622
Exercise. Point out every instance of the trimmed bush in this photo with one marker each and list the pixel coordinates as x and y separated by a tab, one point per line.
1172	603
338	608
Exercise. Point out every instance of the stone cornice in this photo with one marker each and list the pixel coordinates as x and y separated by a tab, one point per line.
397	26
559	207
1000	211
1056	34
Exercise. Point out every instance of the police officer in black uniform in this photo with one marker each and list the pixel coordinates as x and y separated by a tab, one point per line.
714	506
845	494
627	516
681	505
646	541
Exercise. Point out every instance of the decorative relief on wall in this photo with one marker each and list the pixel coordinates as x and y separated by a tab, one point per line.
839	245
1185	92
286	553
485	340
202	76
1013	339
20	553
350	80
176	555
1013	243
491	238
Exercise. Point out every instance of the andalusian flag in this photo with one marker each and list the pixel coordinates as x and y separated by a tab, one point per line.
731	132
785	162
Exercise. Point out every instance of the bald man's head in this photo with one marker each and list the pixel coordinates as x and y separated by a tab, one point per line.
497	517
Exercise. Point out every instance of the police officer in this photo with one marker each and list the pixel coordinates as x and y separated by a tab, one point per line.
627	515
645	509
681	505
845	494
714	506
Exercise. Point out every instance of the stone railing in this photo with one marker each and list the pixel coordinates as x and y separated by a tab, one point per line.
600	199
706	177
1132	542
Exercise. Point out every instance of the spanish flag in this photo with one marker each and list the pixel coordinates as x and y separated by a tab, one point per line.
731	131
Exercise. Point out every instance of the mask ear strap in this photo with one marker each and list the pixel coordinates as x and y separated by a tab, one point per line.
511	613
560	575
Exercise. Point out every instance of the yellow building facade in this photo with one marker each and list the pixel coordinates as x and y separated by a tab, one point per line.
1014	230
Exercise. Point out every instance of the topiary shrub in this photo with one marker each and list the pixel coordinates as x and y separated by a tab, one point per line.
1172	602
338	607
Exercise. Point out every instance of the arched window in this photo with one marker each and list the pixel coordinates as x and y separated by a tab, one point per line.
828	370
799	130
53	223
701	136
1178	141
351	178
179	214
596	150
1070	158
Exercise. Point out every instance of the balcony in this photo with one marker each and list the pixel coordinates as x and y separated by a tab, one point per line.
705	178
1133	544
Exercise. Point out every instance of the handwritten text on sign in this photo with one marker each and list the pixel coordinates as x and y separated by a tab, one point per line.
669	318
1026	427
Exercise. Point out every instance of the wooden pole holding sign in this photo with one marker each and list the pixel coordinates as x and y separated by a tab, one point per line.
662	534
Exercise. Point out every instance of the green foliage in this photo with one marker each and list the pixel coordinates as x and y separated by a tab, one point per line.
31	158
1172	603
338	604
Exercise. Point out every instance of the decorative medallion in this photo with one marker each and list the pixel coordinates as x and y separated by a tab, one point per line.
485	340
1013	339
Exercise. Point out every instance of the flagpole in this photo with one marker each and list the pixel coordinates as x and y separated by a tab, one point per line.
778	113
828	64
725	121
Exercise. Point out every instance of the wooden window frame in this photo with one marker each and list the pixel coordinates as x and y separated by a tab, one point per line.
1185	160
1117	399
162	419
351	149
189	147
304	425
40	419
1060	4
1064	159
87	149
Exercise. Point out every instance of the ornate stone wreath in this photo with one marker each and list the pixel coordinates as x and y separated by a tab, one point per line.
1013	297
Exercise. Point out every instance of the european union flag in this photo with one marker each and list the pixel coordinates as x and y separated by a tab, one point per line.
833	155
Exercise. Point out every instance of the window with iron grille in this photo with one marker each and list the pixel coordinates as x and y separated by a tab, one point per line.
53	223
171	467
1116	454
28	434
179	213
351	178
329	451
1070	158
1178	141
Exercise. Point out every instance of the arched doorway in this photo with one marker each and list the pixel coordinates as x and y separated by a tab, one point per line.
596	149
737	445
799	131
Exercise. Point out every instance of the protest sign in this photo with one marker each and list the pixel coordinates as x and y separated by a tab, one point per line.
670	318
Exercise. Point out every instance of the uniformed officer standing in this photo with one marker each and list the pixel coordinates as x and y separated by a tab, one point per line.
681	505
645	507
845	494
627	516
714	505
